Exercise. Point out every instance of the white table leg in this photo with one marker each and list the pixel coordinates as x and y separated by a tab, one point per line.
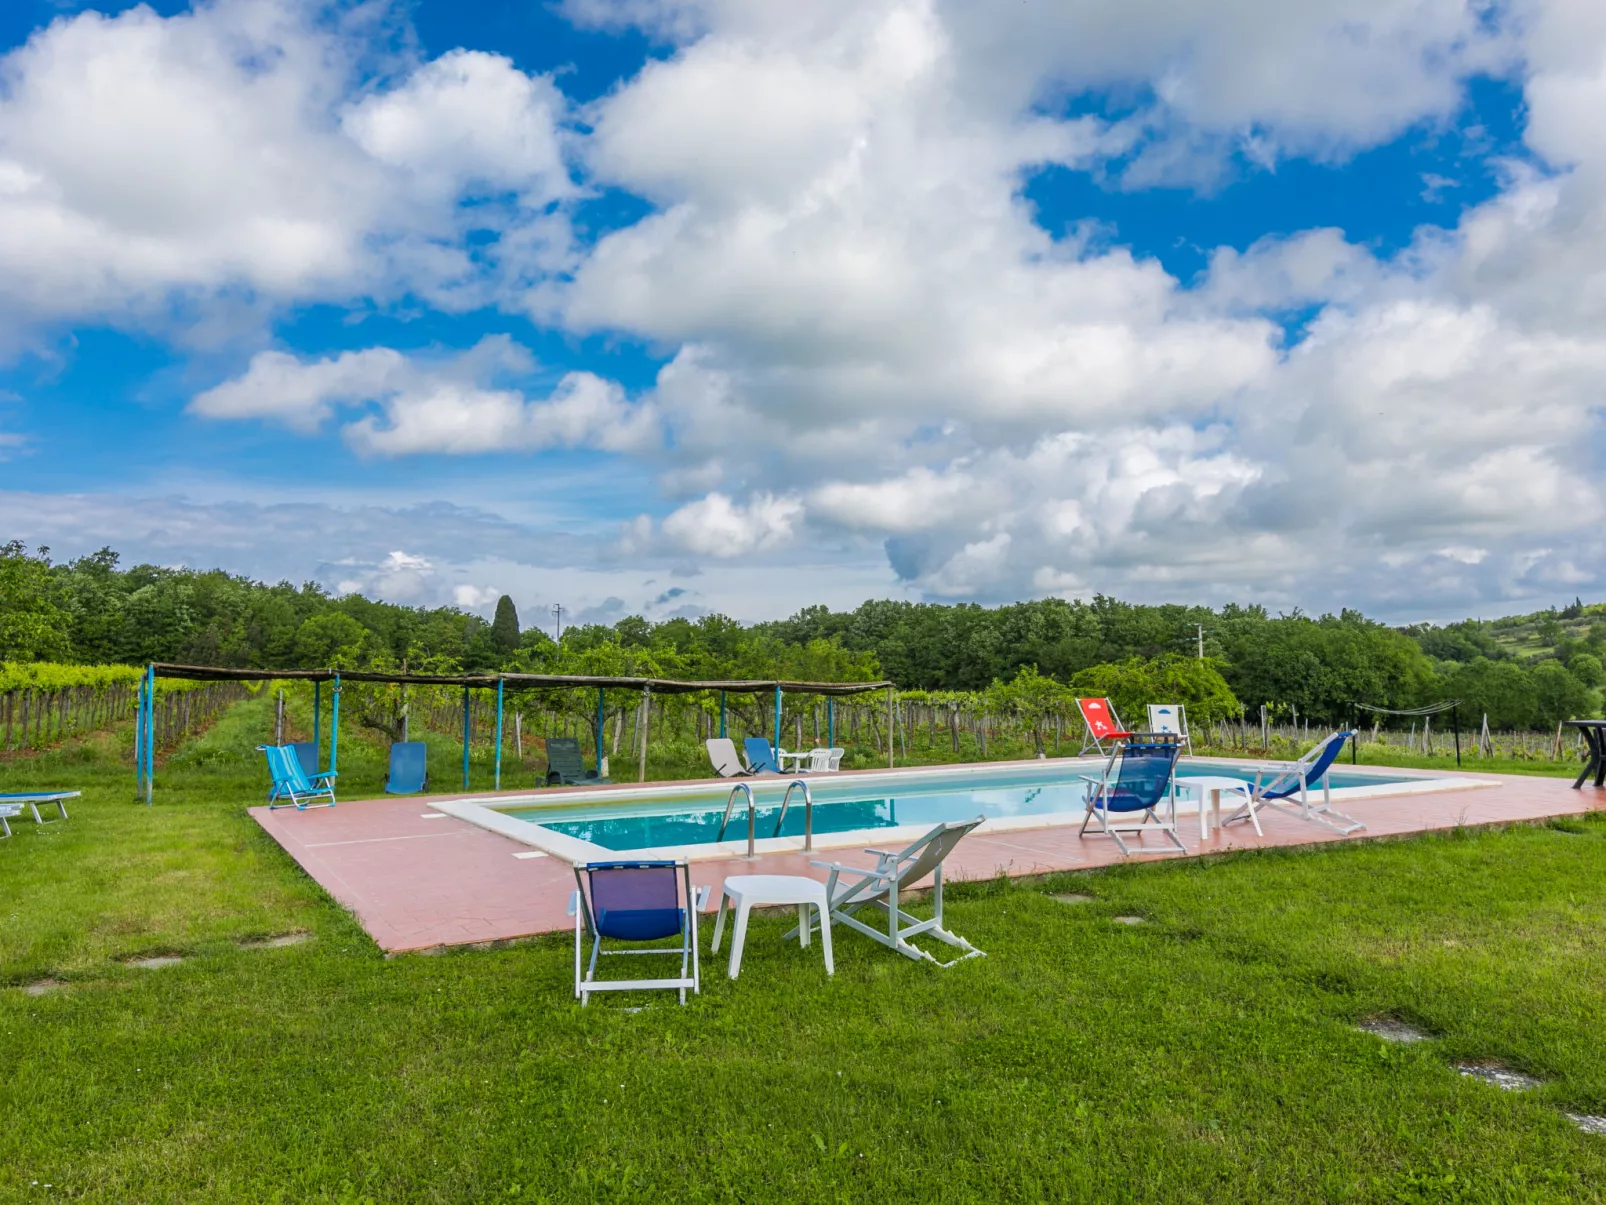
719	923
739	938
825	938
803	925
1204	816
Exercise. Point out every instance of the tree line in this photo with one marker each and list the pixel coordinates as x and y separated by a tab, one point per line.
92	611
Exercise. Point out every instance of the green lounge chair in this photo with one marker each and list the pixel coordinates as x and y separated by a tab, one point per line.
564	765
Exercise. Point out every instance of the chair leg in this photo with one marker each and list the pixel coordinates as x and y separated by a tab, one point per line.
825	939
738	939
719	923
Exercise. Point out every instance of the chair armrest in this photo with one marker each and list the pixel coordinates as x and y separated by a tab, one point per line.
840	868
881	853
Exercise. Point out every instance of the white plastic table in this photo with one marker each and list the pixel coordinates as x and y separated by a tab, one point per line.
1208	789
748	891
797	759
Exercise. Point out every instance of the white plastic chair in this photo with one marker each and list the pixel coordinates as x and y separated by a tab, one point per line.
1170	719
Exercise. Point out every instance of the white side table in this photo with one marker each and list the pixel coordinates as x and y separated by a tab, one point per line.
748	891
1208	790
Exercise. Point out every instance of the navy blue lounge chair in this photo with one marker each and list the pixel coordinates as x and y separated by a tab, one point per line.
760	757
635	901
1139	777
564	765
1296	779
409	768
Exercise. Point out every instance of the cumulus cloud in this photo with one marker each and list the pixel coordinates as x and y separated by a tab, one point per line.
227	155
715	526
432	404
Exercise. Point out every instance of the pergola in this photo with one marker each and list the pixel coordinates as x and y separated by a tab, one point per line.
145	729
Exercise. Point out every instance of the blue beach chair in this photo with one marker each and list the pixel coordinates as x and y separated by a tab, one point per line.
307	755
292	783
1138	778
409	768
1288	781
635	901
760	757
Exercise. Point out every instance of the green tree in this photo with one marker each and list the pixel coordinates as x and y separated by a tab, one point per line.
1587	669
505	627
33	627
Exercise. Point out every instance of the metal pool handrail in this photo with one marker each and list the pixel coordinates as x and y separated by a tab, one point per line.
730	802
808	812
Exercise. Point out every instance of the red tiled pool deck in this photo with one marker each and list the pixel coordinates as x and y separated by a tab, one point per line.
417	882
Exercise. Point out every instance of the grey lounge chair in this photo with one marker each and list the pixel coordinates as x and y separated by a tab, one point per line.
880	888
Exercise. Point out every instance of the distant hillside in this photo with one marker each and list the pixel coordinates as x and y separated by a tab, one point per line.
1561	633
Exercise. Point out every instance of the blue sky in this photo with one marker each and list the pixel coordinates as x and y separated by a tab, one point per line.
672	306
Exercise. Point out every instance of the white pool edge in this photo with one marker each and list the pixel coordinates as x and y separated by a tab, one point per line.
575	851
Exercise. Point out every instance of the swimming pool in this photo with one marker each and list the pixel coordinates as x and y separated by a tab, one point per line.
684	819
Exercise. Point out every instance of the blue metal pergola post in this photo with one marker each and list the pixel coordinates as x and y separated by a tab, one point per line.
334	725
722	714
150	735
317	722
602	701
499	685
465	738
777	724
830	722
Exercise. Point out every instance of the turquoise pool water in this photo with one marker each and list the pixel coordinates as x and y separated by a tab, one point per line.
849	805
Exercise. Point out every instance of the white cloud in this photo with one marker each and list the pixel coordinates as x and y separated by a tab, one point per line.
203	157
441	404
715	526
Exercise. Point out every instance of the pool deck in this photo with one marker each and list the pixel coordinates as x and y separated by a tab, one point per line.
418	880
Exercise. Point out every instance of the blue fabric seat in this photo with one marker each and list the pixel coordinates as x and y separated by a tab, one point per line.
409	768
635	901
1139	777
290	782
760	757
1285	782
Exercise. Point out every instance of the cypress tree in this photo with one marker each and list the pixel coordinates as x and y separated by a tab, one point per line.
505	627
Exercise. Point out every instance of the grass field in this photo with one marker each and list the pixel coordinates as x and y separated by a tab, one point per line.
1207	1053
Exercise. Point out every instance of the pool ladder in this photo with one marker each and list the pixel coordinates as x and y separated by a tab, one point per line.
808	814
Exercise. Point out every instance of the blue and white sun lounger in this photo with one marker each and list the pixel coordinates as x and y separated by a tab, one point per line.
12	803
409	768
1288	781
1139	777
292	783
760	757
635	901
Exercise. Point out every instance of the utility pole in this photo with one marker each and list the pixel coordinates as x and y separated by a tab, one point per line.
557	613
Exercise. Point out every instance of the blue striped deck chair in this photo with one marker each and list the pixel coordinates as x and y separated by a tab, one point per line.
409	768
307	756
292	783
1288	781
1138	779
760	757
635	901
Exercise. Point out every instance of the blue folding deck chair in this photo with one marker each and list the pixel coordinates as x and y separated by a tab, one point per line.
635	901
1288	781
409	768
1138	778
760	757
307	755
292	783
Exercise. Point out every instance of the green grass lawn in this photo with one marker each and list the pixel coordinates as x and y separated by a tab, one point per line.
1208	1053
